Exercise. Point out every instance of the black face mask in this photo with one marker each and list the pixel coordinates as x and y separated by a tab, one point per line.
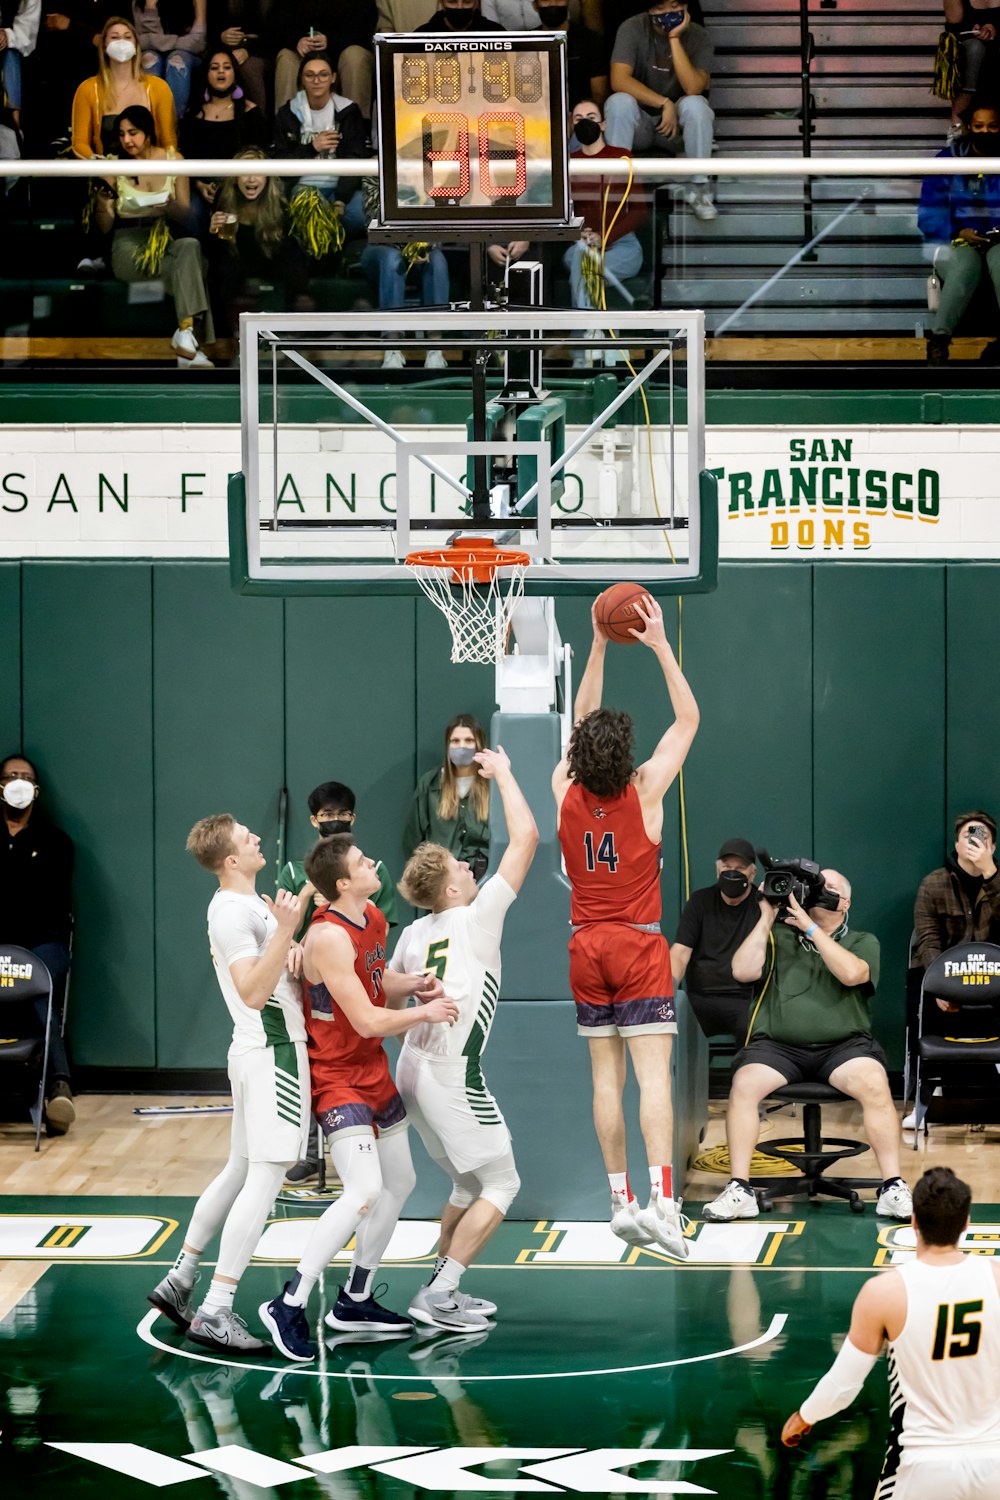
587	131
552	15
335	825
460	17
733	883
985	143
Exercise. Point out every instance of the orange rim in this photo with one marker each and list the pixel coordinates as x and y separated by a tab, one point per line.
469	559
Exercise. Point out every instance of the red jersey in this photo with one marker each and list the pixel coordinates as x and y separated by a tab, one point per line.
612	864
337	1054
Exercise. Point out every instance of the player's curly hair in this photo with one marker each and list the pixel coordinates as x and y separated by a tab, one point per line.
941	1203
599	754
426	876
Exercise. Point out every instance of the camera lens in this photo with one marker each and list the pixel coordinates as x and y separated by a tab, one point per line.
781	885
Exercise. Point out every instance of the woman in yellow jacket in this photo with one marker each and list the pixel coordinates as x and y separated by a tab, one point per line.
119	82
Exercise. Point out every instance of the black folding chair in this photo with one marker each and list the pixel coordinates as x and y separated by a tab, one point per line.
963	1049
24	1053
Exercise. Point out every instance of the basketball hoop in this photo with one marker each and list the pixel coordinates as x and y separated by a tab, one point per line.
476	585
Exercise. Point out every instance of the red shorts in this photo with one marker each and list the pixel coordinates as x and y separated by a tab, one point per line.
621	981
350	1107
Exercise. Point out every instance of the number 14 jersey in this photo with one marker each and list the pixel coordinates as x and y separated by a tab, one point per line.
612	863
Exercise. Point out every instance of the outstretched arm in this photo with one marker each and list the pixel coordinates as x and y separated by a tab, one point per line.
588	697
880	1301
522	833
657	773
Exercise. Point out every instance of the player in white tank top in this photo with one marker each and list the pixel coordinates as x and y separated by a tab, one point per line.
440	1077
941	1316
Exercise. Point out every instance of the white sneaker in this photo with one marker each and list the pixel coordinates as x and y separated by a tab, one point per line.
895	1202
699	200
909	1121
665	1224
625	1221
435	360
393	359
734	1202
188	352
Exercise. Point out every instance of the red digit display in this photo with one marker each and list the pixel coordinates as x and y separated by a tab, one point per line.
458	156
489	155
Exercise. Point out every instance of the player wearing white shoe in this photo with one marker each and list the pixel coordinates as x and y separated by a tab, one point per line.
941	1316
439	1074
250	936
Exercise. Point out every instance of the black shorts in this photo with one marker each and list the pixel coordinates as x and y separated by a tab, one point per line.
808	1064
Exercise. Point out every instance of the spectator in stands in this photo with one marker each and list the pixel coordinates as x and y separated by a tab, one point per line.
139	210
586	68
975	29
451	804
660	72
172	43
240	24
225	124
404	15
962	216
119	83
608	249
36	871
387	267
713	924
18	34
342	29
512	15
64	53
319	124
458	15
960	902
250	246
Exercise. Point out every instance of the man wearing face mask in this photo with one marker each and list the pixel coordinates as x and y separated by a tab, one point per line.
586	69
961	217
458	15
36	870
812	1022
713	924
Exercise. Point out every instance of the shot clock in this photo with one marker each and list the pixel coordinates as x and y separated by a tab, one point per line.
472	136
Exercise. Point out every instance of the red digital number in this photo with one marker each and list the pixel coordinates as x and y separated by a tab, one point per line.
458	156
488	155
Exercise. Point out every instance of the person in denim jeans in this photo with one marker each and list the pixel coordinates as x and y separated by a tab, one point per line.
172	54
18	34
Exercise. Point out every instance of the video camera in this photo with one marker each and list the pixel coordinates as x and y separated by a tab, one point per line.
801	878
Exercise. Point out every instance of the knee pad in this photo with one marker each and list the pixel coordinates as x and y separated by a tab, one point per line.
499	1183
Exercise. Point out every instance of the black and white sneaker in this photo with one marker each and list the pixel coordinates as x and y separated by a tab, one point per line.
173	1301
734	1202
289	1328
351	1316
306	1170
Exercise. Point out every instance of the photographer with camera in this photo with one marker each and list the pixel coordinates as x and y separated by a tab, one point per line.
812	1021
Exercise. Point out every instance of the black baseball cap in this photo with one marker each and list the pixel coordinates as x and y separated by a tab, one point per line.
738	849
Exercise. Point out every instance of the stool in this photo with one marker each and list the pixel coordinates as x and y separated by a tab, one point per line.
812	1155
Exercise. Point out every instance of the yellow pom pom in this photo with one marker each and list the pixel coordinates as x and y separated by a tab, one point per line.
148	258
315	223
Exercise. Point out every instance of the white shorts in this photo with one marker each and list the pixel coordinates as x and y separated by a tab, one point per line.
939	1474
457	1117
271	1102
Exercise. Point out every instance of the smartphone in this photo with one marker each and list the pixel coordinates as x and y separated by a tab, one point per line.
976	833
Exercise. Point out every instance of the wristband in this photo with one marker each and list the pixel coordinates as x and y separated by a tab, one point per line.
810	930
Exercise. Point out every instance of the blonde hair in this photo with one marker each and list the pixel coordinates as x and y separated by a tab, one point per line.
426	876
479	792
211	841
267	213
104	67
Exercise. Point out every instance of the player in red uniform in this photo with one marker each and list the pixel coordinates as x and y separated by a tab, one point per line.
610	823
347	988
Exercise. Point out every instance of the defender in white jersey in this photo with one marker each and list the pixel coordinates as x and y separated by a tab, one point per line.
249	936
439	1073
941	1316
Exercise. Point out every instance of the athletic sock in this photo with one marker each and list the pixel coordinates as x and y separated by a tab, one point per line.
299	1289
449	1276
743	1183
219	1297
185	1268
619	1185
662	1178
889	1182
437	1265
359	1283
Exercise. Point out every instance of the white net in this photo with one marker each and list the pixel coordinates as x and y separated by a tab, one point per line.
478	614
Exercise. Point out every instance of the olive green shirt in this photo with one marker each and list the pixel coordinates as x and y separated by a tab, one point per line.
465	835
804	1003
293	877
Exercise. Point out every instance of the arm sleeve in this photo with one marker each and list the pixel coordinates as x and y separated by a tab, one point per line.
234	934
288	881
83	119
934	214
23	35
869	950
164	114
928	944
840	1385
626	48
417	826
991	897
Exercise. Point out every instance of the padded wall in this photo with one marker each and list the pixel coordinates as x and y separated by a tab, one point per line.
847	711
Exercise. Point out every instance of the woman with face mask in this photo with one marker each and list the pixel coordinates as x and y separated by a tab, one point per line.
118	83
451	805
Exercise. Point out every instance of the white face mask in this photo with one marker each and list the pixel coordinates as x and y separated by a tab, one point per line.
19	794
121	50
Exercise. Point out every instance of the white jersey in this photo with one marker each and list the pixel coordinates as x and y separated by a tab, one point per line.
241	926
462	947
944	1368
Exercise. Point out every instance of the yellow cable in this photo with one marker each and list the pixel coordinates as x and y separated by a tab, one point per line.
760	997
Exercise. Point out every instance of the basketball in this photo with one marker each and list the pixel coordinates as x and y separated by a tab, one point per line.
617	614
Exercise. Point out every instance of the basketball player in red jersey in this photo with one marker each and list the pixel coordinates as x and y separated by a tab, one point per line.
610	822
346	991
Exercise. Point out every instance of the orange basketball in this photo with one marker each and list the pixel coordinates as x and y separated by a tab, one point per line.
617	614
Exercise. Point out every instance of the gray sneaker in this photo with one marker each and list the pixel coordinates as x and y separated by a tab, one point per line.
443	1309
225	1332
173	1301
479	1305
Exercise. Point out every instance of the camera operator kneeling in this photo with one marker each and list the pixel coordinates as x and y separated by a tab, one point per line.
813	1022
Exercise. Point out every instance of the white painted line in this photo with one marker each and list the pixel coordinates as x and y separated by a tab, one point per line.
140	1463
247	1465
145	1331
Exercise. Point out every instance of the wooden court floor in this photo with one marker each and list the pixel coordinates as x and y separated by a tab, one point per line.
609	1371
